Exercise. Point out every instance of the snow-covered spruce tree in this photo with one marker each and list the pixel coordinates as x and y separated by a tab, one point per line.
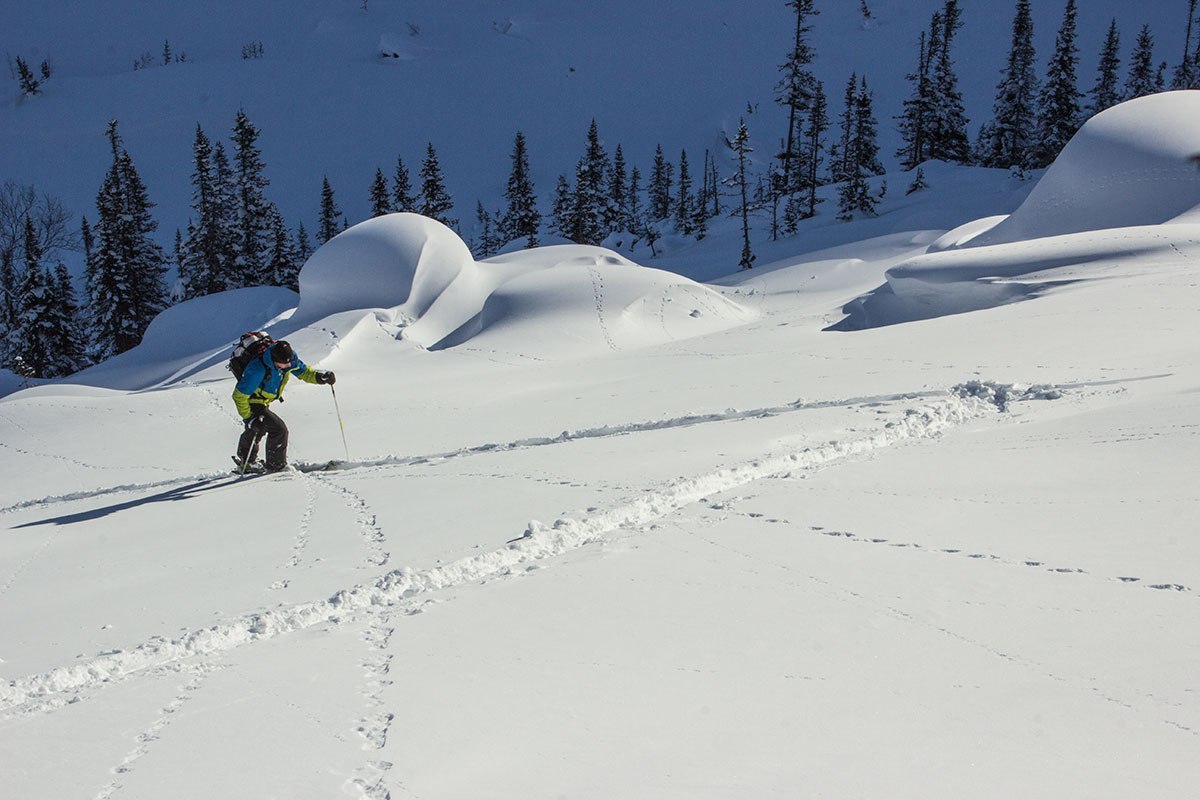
684	206
206	260
8	301
1143	77
1008	137
521	219
304	248
253	209
1059	104
616	207
634	210
795	89
840	166
29	342
435	201
381	198
68	341
918	182
740	146
405	200
862	158
588	198
128	288
1107	91
283	258
914	121
1187	74
947	118
659	188
328	225
560	208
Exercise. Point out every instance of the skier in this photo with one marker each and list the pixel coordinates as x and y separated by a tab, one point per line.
262	381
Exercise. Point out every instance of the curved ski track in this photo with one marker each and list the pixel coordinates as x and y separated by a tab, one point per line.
538	543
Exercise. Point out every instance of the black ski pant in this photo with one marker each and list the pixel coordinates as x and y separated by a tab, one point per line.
277	439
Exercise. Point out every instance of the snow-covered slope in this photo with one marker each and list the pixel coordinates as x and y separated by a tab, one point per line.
585	543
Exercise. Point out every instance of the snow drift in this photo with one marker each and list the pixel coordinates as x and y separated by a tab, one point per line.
418	275
1125	185
1133	164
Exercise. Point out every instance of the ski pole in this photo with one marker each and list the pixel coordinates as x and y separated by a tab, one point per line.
254	446
338	411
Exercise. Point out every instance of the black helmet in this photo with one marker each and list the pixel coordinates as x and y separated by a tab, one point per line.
282	353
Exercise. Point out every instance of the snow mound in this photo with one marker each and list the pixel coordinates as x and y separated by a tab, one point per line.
562	300
402	262
190	337
1131	165
571	300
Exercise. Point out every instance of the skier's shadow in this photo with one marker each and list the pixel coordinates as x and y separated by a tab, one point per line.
187	492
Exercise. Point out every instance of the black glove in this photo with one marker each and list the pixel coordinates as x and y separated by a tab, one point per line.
326	377
256	423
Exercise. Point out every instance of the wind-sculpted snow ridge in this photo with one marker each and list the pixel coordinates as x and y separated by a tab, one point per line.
539	542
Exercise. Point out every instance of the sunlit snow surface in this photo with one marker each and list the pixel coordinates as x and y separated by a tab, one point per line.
602	531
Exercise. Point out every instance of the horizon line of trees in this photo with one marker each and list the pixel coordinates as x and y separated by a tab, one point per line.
238	238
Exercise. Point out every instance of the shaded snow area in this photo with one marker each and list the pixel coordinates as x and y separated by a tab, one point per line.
598	530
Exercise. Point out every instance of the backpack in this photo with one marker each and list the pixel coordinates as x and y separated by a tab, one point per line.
249	347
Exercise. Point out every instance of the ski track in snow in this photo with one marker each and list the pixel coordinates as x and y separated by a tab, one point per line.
518	444
400	587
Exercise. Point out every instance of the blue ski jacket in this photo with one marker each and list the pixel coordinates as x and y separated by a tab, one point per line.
262	382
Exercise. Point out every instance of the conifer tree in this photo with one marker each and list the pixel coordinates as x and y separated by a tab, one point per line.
405	200
29	84
914	122
947	118
795	88
841	166
1143	78
1007	138
633	214
561	208
521	218
659	189
328	226
1107	92
128	289
862	159
304	248
381	198
587	224
253	209
489	241
68	343
814	145
435	201
617	207
29	342
740	146
1187	74
1059	105
206	263
684	210
8	301
283	259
